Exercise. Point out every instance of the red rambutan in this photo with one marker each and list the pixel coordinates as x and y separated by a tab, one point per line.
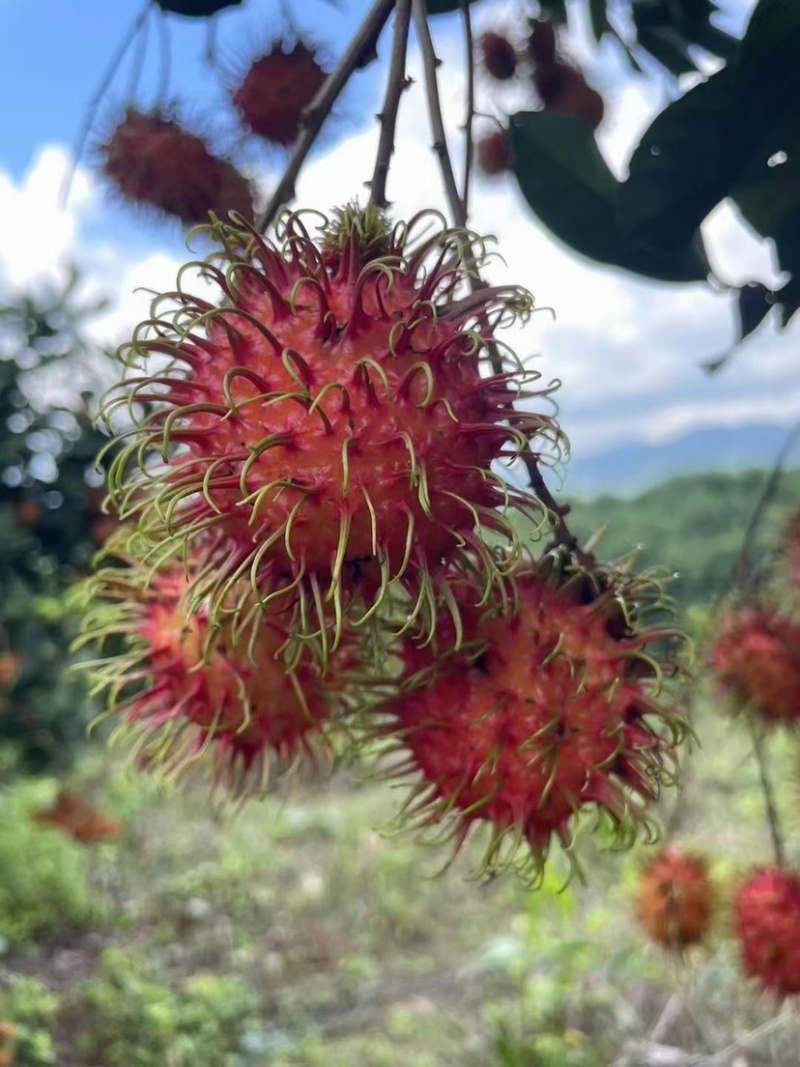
756	657
675	899
275	92
494	153
767	910
563	91
498	55
328	429
542	41
542	713
153	160
188	687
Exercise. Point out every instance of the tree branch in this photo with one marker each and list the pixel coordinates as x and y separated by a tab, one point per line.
470	47
395	86
321	105
773	819
430	63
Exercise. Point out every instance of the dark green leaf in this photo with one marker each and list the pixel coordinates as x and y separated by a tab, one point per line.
442	7
669	48
754	303
715	41
682	167
570	188
597	13
196	9
554	9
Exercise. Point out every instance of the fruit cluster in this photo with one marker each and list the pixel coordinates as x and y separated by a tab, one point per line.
154	161
540	64
318	552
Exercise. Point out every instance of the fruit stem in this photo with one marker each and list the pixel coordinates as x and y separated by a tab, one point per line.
320	107
397	83
769	796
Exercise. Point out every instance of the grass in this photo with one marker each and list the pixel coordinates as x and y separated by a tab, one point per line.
294	934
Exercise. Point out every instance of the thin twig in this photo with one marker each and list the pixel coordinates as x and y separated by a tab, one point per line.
773	819
321	105
105	82
561	531
470	47
430	62
395	87
742	571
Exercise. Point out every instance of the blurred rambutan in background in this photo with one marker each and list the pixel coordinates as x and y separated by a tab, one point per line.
675	898
767	921
154	161
278	87
756	658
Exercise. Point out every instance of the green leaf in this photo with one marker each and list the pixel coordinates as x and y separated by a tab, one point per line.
669	48
442	7
570	188
599	18
196	9
754	303
682	166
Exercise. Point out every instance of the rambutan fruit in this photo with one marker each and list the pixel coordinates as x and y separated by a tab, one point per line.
494	153
153	160
542	41
185	687
545	711
767	917
675	899
563	91
756	658
328	429
275	92
499	56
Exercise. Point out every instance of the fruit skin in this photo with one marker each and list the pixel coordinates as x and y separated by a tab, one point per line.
675	899
767	919
756	657
183	687
337	430
494	153
275	92
499	56
545	711
153	160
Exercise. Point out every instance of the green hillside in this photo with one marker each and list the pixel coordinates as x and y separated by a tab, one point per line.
691	525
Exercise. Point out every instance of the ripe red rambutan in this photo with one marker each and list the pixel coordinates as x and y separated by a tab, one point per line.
188	687
756	657
563	91
328	428
542	41
153	160
277	89
767	911
494	153
675	899
543	712
499	56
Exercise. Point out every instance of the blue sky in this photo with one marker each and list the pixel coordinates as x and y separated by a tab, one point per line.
628	351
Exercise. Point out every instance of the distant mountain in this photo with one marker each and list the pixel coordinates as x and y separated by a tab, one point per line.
631	468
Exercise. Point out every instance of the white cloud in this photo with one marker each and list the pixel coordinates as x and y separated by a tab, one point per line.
627	350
